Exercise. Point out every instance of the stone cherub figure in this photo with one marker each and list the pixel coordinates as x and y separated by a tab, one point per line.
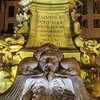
47	76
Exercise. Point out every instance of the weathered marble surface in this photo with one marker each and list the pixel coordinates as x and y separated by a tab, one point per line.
47	76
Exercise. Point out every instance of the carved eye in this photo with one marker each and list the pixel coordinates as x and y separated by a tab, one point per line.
54	59
29	68
42	59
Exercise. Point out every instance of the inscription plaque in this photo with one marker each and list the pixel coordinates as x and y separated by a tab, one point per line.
50	29
50	23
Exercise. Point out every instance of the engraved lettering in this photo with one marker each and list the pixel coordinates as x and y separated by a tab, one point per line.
50	28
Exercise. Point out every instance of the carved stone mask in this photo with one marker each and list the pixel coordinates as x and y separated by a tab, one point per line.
49	61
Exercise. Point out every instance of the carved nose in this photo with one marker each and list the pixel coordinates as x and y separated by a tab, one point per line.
49	64
49	60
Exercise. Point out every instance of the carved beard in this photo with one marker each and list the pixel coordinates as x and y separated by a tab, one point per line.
55	89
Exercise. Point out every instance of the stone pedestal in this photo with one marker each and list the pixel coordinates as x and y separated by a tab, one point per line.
50	23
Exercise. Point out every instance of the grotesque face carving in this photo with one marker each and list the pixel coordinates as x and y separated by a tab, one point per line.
49	61
48	57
